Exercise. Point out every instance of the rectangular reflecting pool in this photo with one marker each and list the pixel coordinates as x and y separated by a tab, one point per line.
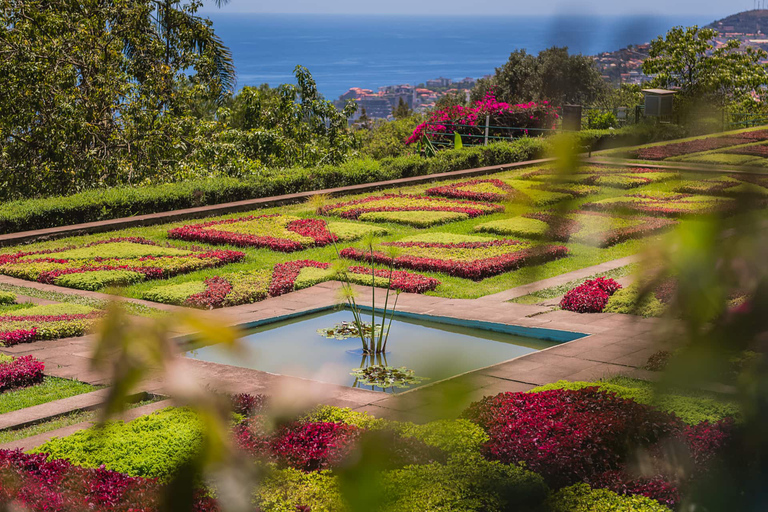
433	350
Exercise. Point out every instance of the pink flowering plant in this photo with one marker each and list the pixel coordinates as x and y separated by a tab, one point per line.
591	296
526	118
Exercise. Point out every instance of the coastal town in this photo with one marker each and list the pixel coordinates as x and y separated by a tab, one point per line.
623	66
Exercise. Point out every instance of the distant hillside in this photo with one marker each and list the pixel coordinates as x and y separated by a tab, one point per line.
747	22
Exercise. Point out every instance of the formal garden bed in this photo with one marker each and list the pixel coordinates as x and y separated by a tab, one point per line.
511	450
664	204
604	176
32	323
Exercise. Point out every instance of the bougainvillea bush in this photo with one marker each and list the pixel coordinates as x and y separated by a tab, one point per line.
529	119
277	232
664	151
20	372
604	176
664	204
112	262
470	260
46	323
390	207
591	296
592	228
591	436
490	190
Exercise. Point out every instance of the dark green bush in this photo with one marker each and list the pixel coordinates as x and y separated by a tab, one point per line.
95	205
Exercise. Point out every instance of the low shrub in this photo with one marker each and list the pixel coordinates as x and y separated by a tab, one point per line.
7	298
582	498
20	372
422	220
567	436
458	436
152	446
248	405
99	279
490	190
291	490
327	413
691	408
37	483
591	296
628	302
46	322
175	294
464	484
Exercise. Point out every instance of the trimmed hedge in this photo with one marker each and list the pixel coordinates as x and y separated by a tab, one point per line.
95	205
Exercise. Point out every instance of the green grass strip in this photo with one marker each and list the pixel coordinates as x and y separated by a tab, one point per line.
52	388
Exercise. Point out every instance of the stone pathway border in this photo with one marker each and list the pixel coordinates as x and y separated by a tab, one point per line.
39	413
247	205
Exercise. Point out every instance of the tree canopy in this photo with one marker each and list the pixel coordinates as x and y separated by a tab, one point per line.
553	75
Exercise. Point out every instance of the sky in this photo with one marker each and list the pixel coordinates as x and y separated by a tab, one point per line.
715	8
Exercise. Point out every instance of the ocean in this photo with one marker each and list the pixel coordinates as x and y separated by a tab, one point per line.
343	51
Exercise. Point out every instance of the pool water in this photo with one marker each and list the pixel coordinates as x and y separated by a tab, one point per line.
435	351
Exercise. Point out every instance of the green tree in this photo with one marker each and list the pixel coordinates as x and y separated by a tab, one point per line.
687	59
387	138
402	110
552	75
451	99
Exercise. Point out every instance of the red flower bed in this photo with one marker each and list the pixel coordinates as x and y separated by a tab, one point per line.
476	270
421	204
314	446
590	296
760	150
11	338
672	206
50	318
588	435
455	191
30	482
217	289
404	281
284	275
311	228
20	372
696	146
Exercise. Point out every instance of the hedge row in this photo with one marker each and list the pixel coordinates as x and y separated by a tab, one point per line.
95	205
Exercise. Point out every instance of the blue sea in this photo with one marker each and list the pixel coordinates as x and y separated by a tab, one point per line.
343	51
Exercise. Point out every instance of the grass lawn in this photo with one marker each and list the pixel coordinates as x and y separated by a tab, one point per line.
52	388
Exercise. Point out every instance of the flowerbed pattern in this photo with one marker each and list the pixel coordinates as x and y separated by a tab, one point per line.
591	296
408	203
470	260
760	150
696	146
36	323
20	372
727	186
215	292
588	435
58	266
400	280
276	232
489	190
669	205
613	177
593	228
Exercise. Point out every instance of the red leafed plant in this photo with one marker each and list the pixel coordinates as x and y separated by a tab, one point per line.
284	275
216	290
458	191
31	482
20	372
403	281
11	338
590	296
